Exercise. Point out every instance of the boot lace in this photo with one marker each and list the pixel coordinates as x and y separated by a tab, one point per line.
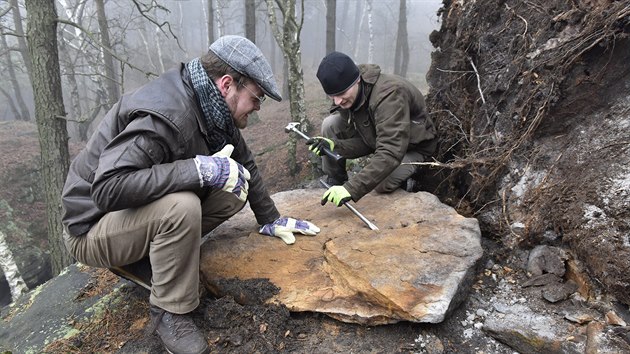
180	325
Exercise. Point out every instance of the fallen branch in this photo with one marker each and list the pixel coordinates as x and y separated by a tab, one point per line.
451	165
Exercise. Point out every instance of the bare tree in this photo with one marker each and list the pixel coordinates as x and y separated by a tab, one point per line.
250	20
287	36
111	83
49	114
9	98
19	107
345	44
210	22
80	61
19	31
358	23
401	58
368	9
331	25
10	269
220	20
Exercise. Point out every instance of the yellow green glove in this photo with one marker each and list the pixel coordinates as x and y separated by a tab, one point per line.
319	143
338	195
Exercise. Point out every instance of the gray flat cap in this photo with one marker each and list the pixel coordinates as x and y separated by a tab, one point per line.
246	58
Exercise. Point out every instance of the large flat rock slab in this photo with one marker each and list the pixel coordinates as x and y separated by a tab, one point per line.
417	268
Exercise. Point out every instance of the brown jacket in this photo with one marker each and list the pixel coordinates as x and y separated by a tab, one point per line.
144	149
391	119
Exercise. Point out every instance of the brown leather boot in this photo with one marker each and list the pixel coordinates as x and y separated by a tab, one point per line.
178	332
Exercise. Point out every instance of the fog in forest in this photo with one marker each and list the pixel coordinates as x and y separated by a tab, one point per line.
147	40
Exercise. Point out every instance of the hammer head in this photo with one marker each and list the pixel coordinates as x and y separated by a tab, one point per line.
291	127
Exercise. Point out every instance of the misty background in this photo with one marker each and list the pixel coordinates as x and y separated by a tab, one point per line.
148	37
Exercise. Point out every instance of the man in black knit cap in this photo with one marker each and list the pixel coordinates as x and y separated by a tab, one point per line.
372	113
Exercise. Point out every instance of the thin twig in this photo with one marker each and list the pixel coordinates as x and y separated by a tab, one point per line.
519	16
451	165
454	71
478	81
109	50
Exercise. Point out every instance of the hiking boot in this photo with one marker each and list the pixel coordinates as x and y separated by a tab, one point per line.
178	332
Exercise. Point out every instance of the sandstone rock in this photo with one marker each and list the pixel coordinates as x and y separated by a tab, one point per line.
417	268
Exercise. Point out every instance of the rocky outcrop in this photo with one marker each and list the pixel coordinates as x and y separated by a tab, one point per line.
417	268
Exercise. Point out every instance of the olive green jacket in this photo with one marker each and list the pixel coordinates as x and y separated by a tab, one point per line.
390	120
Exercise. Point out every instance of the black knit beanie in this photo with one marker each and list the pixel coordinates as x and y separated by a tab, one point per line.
337	72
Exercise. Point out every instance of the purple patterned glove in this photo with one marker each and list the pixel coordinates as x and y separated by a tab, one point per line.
222	172
285	227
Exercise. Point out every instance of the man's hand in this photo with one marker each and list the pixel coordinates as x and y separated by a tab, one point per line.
222	172
338	195
285	227
319	143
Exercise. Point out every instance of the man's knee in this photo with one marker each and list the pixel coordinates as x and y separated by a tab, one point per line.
385	187
181	205
330	125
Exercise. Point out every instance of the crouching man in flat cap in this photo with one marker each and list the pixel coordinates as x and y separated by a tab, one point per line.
372	113
167	165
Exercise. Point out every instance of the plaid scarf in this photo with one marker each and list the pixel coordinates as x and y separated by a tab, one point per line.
219	123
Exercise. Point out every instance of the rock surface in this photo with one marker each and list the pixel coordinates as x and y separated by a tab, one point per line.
417	268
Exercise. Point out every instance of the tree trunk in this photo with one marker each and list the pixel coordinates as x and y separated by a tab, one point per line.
401	58
10	269
21	38
368	7
331	25
344	30
210	22
22	112
12	107
220	21
358	23
250	20
108	60
288	38
49	114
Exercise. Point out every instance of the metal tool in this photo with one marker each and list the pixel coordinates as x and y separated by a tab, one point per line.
354	210
292	127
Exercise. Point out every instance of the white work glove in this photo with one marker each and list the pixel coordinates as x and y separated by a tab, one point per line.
285	227
222	172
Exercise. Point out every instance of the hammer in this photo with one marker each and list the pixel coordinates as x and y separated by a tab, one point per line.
293	127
